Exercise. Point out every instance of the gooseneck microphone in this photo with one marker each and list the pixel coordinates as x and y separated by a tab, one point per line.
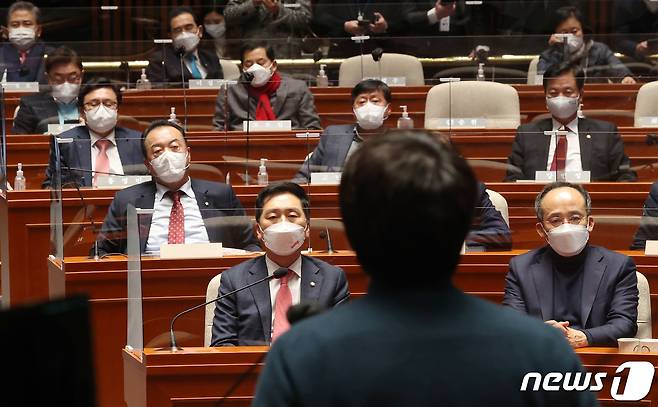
180	52
278	273
325	235
246	78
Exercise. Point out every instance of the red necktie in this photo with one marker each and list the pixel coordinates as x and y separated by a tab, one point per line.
560	155
282	302
22	57
176	220
102	165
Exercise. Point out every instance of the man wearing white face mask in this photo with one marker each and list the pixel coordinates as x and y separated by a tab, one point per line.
264	94
99	147
587	292
590	145
186	210
258	316
23	56
165	69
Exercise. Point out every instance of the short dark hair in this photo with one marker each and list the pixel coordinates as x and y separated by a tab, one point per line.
98	83
402	191
24	5
160	123
561	184
177	11
555	70
371	85
562	14
279	188
252	45
63	56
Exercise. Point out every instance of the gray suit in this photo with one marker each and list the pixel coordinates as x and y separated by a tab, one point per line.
330	154
292	101
35	113
245	318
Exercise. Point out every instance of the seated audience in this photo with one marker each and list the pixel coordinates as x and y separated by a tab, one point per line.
371	101
269	95
23	56
634	23
594	58
214	25
197	63
588	293
414	339
648	229
590	145
258	315
99	145
187	210
59	104
354	18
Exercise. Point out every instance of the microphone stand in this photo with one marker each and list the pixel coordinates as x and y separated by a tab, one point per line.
181	52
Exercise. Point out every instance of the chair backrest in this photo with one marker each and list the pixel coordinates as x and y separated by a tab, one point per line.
643	308
532	70
351	71
645	105
231	70
496	104
211	292
500	203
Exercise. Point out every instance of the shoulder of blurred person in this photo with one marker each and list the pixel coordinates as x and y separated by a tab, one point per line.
35	112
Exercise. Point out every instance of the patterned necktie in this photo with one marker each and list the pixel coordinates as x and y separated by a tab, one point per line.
194	69
560	155
282	302
176	219
102	165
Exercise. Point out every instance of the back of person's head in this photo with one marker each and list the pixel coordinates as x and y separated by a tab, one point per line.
156	124
369	86
278	188
177	11
254	44
98	82
559	69
24	6
63	56
407	198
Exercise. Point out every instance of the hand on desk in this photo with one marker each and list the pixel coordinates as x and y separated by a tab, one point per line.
576	338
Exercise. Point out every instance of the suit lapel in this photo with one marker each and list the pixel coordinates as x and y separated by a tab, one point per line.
542	276
281	95
592	276
546	125
83	152
311	283
204	204
261	294
146	200
343	147
585	142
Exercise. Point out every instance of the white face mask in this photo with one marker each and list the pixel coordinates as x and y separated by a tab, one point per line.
22	37
284	238
563	107
261	75
186	40
574	43
216	30
101	119
568	240
370	116
170	166
65	92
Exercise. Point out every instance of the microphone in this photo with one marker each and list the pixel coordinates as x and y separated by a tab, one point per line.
180	52
301	311
278	273
317	56
482	53
246	77
324	235
377	54
652	139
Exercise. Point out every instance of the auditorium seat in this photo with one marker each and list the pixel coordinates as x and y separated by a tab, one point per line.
231	70
532	70
645	105
643	308
500	203
211	292
390	65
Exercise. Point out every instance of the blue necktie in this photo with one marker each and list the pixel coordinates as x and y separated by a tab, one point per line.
196	74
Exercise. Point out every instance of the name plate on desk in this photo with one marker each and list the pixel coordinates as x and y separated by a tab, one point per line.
56	129
209	83
266	125
647	121
325	178
577	177
23	87
119	182
463	122
391	80
191	251
651	248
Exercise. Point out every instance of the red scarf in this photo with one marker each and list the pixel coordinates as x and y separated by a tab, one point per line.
262	94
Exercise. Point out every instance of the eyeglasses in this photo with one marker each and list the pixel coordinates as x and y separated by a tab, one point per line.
94	103
60	79
557	221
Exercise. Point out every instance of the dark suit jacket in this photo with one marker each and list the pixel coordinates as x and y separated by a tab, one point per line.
597	62
246	317
489	230
78	155
602	154
35	112
609	298
428	347
648	229
171	73
633	23
221	210
32	70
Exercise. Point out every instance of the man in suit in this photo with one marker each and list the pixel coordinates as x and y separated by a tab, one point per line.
414	339
587	292
635	21
264	94
648	229
258	315
23	56
99	145
590	145
165	64
186	210
57	105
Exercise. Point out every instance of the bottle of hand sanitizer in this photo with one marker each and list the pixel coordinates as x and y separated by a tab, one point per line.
19	181
4	77
172	116
480	75
405	122
143	82
322	81
262	173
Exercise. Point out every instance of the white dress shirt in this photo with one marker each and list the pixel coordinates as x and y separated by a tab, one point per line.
198	64
294	281
573	162
112	152
195	229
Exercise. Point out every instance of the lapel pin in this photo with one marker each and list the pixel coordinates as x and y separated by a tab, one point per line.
206	203
312	283
588	136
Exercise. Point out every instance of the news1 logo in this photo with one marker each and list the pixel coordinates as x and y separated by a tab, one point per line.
634	387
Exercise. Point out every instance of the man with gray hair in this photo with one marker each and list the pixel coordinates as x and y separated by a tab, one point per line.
587	292
23	57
